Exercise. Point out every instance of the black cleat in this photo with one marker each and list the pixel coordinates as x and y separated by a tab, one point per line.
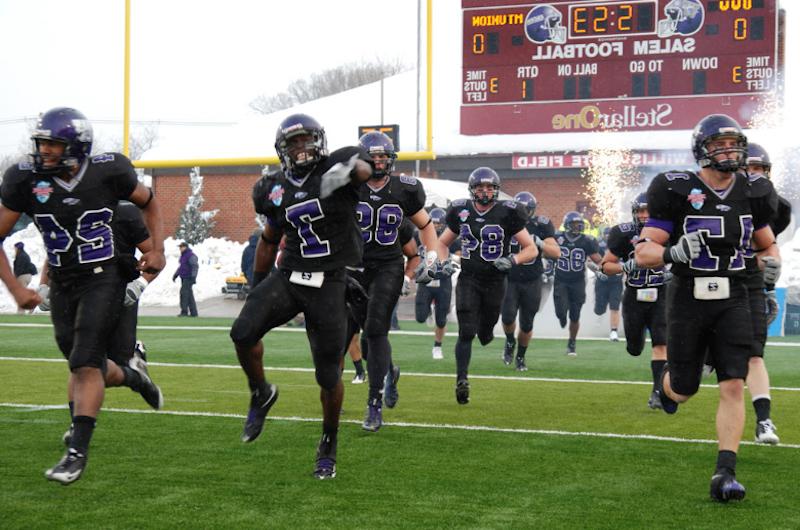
67	437
571	348
69	468
326	459
462	391
667	405
146	387
259	407
508	351
373	419
724	487
390	394
520	364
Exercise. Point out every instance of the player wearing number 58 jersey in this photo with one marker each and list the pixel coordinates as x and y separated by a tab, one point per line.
312	202
705	224
485	227
73	199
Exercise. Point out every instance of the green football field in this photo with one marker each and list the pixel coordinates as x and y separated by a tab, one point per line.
569	444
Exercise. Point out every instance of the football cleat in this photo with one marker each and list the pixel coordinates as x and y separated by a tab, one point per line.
259	407
571	348
67	437
373	419
390	394
725	487
69	468
667	405
437	352
613	336
359	378
147	388
655	401
326	459
765	432
508	351
462	391
520	364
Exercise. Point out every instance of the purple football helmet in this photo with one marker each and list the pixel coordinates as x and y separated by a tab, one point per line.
377	143
758	156
639	203
543	24
302	161
483	175
716	126
527	198
67	126
573	223
438	215
684	17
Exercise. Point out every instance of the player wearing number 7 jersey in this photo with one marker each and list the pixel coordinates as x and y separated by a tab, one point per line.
73	199
705	223
485	227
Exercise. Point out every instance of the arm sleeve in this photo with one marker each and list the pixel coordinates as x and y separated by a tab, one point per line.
658	204
123	173
11	194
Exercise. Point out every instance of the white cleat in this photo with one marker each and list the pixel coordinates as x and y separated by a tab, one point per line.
613	336
765	433
437	352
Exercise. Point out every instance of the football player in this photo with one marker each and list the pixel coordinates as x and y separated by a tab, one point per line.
569	286
384	202
701	223
311	201
763	306
485	227
644	301
73	198
437	292
608	292
524	289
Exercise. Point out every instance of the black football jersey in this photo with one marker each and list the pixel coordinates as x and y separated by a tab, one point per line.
783	216
406	232
680	202
622	241
321	234
571	266
129	228
75	218
485	236
380	213
540	226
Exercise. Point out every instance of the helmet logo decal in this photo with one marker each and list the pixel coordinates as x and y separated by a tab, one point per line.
543	24
42	190
683	17
276	195
463	215
696	198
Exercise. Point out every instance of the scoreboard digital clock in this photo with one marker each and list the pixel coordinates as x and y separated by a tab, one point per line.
578	66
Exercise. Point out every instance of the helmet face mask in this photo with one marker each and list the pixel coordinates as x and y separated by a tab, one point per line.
715	137
758	162
639	210
381	149
61	126
300	143
528	200
484	185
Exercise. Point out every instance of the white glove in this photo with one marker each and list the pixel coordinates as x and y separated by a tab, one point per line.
772	307
687	248
538	242
504	263
772	269
601	276
406	290
44	293
134	291
629	266
336	177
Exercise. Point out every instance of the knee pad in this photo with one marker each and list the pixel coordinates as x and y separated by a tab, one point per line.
684	385
486	336
328	376
242	331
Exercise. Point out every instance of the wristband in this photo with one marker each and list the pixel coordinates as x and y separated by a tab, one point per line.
667	257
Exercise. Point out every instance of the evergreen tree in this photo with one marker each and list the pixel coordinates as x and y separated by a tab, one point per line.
195	224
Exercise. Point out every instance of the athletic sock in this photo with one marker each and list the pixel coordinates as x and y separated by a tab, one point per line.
656	367
437	344
510	338
762	406
131	377
521	351
71	410
359	364
726	462
82	433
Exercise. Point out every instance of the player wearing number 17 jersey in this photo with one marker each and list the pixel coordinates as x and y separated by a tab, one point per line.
73	199
705	223
485	227
311	201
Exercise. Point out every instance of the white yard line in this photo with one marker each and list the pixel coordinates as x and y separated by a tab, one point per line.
441	426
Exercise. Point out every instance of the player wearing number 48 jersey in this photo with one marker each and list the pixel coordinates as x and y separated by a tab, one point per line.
73	199
311	201
705	224
485	227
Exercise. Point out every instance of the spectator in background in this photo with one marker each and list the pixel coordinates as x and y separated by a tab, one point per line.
248	258
187	271
24	269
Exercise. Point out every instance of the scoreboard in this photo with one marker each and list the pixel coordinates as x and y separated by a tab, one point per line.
581	66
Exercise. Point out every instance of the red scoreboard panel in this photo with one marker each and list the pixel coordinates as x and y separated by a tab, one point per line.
581	66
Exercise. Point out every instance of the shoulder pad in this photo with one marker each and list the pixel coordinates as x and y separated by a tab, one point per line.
510	204
405	179
105	157
541	219
459	202
25	166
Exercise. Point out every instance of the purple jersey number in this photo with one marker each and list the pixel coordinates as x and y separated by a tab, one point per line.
711	227
490	242
94	229
382	227
571	260
302	216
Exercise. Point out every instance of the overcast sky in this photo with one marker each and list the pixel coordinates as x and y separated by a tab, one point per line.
201	60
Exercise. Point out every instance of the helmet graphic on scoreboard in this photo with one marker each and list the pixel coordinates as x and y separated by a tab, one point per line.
683	17
543	24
